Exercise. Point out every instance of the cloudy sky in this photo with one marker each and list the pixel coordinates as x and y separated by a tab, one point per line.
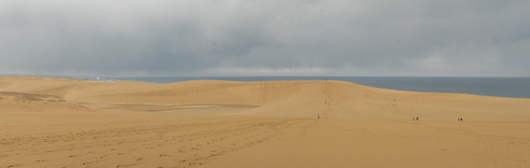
266	37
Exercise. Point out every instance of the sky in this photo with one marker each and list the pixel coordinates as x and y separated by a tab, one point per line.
129	38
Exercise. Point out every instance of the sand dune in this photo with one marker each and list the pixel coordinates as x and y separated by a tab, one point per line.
54	122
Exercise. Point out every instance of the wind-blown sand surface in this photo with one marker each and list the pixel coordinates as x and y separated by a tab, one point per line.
53	122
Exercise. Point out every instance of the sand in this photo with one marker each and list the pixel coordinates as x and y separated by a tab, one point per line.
54	122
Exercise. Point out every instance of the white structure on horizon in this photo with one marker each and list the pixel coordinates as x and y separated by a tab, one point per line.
97	78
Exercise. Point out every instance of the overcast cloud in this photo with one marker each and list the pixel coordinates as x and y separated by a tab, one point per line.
298	37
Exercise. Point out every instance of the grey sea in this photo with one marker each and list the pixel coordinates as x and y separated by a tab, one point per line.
487	86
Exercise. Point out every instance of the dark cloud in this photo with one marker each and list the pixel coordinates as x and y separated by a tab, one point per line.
319	37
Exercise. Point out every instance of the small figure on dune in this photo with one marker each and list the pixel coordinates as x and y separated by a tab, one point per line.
323	116
417	118
461	119
412	118
318	116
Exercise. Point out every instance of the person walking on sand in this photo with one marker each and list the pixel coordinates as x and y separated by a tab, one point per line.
417	118
318	116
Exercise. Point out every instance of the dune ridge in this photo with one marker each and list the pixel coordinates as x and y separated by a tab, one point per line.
58	122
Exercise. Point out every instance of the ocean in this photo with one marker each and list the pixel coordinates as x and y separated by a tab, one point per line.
487	86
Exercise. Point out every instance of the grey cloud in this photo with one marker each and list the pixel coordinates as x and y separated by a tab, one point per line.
319	37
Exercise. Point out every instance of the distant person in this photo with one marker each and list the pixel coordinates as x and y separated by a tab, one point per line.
461	119
323	116
319	116
412	118
417	118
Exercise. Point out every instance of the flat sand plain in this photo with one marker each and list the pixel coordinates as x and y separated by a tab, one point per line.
54	122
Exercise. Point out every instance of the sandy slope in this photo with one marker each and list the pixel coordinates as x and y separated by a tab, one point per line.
52	122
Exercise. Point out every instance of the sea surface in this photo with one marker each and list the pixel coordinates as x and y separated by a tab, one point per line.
487	86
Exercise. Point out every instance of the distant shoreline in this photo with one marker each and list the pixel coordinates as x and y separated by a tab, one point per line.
511	87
